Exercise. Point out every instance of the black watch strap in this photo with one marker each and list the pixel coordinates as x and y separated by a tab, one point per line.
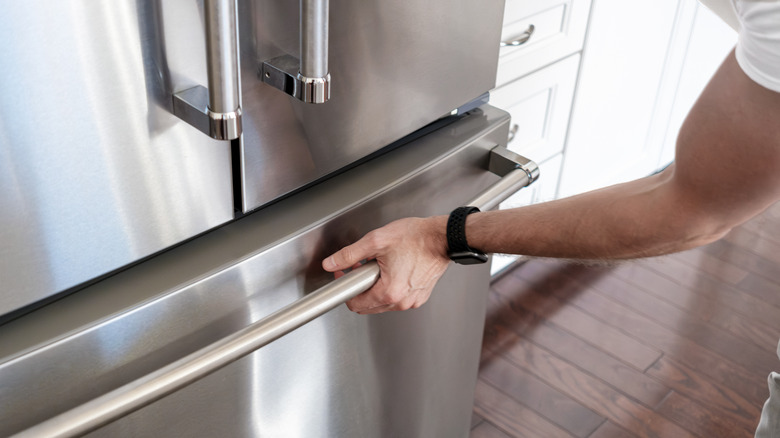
458	248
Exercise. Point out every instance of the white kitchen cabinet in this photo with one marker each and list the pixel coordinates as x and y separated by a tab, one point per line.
540	104
558	31
642	66
710	42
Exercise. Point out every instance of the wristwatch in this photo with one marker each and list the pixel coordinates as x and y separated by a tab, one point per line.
458	250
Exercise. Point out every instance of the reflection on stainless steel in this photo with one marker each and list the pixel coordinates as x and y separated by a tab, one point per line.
120	253
220	115
222	55
404	63
353	376
150	388
503	161
282	73
520	39
95	171
306	79
314	38
198	365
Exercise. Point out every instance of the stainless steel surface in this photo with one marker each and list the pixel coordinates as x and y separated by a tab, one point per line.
314	38
516	172
408	374
222	55
397	67
150	388
198	365
220	116
282	73
192	106
520	39
306	79
95	170
315	89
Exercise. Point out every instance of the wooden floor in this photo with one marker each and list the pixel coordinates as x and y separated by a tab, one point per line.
676	346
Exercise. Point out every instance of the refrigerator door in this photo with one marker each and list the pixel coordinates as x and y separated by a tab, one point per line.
394	67
401	374
95	170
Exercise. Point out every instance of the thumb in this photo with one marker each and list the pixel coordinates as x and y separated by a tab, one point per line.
345	258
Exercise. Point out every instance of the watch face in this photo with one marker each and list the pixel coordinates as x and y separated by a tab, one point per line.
468	257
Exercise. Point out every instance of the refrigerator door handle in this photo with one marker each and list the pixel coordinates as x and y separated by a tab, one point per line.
307	79
144	391
516	172
216	111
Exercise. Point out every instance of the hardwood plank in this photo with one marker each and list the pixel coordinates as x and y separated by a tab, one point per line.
724	370
686	324
761	288
511	416
592	392
747	258
563	344
487	430
757	333
719	292
532	392
755	242
702	304
703	421
721	402
723	270
610	430
597	333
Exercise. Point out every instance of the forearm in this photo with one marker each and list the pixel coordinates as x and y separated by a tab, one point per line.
640	218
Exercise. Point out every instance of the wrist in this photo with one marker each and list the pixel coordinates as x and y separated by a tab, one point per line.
436	232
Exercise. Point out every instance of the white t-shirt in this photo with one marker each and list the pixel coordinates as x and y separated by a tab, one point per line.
758	47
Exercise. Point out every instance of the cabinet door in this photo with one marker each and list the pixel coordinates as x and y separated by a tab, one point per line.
95	170
539	104
556	28
622	68
710	41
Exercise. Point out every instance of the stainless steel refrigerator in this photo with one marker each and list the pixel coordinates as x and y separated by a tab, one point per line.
172	173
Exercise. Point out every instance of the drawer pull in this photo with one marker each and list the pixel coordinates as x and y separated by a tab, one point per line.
520	39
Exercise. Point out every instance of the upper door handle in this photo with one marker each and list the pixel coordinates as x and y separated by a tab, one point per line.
307	79
216	111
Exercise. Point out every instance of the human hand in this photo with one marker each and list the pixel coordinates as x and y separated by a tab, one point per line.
412	256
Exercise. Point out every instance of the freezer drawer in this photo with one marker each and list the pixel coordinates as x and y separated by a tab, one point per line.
408	374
